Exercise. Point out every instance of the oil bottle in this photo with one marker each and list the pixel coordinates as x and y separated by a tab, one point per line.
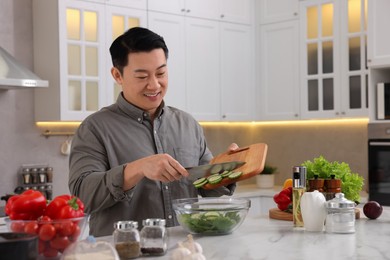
299	187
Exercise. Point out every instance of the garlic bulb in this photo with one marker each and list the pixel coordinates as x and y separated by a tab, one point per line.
188	250
180	253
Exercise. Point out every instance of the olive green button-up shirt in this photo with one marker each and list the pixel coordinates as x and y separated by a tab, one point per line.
122	133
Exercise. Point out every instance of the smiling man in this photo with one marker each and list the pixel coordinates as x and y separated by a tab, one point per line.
128	160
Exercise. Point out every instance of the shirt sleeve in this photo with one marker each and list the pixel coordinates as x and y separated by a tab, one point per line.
90	177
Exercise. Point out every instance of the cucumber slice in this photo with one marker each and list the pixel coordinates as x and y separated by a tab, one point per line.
200	182
225	174
214	179
234	175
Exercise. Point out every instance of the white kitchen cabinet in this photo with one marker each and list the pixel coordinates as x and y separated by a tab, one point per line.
271	11
333	63
139	4
71	41
378	33
203	66
237	11
279	71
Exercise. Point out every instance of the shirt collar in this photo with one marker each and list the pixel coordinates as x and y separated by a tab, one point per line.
135	112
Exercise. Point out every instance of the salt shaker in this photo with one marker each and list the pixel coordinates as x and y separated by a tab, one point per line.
127	239
153	237
340	216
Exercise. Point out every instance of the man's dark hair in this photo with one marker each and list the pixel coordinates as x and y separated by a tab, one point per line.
135	40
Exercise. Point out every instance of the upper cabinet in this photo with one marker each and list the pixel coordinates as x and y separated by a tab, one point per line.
277	32
378	33
378	51
223	10
211	65
71	42
271	11
333	58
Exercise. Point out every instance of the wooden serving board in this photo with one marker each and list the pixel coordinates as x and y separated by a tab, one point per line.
276	213
254	155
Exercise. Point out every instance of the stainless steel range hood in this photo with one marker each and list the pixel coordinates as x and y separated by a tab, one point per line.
14	75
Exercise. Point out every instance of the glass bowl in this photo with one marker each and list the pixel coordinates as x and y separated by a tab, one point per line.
211	216
54	235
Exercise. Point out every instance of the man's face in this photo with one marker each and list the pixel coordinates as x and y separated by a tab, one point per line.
144	80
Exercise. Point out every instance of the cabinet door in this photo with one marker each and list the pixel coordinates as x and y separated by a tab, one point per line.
279	71
237	72
167	6
378	33
118	20
172	28
277	10
82	59
139	4
203	9
320	67
237	11
354	71
202	69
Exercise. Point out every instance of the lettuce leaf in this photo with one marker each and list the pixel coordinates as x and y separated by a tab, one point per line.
351	183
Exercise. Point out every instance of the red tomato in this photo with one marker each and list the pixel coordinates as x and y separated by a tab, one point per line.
17	227
75	234
41	246
50	252
60	242
31	228
46	232
66	228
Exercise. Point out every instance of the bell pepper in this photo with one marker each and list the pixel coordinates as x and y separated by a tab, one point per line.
64	207
28	205
283	199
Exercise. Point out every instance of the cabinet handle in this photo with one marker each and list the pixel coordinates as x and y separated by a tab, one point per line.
224	116
296	115
343	113
337	113
295	13
222	15
183	10
369	61
188	10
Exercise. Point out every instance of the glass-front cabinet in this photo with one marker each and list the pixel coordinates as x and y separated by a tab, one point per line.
71	42
334	75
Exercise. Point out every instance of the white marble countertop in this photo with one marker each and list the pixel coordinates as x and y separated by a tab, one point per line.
260	237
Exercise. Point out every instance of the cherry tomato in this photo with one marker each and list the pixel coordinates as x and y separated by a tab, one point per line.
66	228
17	227
31	228
46	232
50	252
60	242
41	246
76	233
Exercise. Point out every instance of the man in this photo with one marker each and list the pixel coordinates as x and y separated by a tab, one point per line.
128	160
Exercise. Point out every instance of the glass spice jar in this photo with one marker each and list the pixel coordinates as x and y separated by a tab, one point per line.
340	216
153	237
127	239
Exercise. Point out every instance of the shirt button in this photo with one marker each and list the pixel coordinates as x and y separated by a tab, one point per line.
145	115
155	132
166	187
139	119
170	216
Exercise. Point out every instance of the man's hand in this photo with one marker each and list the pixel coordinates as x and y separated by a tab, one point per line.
159	167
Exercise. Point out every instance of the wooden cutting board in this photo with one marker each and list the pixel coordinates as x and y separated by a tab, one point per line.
276	213
254	155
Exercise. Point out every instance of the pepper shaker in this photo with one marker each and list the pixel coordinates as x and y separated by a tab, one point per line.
153	237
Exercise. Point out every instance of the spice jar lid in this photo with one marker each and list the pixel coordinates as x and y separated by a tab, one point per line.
125	224
339	201
153	222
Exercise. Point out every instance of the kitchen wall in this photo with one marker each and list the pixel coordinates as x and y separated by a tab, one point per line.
22	142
